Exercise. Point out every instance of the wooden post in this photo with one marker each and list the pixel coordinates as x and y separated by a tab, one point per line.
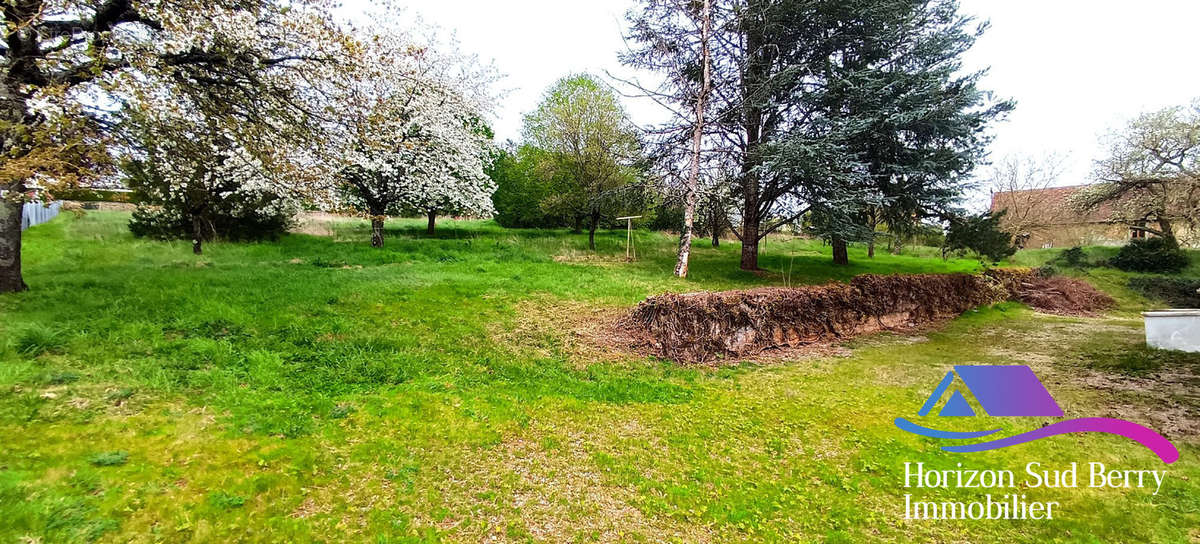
630	252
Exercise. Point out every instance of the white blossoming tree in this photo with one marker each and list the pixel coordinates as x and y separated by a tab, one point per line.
246	69
409	135
201	182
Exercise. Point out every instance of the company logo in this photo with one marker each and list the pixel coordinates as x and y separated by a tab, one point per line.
1015	391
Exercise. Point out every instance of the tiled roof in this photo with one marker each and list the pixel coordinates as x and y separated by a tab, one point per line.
1051	206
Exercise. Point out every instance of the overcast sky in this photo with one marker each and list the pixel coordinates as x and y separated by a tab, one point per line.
1075	67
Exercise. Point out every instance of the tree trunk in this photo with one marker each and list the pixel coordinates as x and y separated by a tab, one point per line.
871	248
10	245
432	222
595	224
689	208
1164	226
750	243
197	235
685	237
755	73
377	231
750	219
841	255
717	226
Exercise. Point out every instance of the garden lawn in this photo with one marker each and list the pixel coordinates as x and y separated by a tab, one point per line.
316	390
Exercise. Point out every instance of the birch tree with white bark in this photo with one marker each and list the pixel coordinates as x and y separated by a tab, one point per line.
674	38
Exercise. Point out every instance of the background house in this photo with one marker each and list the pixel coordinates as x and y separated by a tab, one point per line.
1044	218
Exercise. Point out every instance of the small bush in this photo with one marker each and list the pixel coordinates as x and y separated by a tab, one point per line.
37	340
1073	257
237	224
109	459
1178	292
1154	255
62	378
1046	271
120	395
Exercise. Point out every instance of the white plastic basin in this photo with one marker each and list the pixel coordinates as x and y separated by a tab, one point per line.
1176	330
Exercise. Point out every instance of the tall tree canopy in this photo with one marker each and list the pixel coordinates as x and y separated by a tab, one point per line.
848	109
241	65
913	123
591	147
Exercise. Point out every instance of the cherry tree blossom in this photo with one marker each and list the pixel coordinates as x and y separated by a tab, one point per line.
249	69
409	135
196	175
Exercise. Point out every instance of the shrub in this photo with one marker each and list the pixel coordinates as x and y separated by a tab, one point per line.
238	222
1046	271
981	234
1178	292
341	411
62	378
36	340
1073	257
1155	255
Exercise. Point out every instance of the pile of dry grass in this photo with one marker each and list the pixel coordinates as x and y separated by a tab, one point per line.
1061	296
701	327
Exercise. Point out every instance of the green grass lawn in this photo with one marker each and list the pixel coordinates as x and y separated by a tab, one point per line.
316	390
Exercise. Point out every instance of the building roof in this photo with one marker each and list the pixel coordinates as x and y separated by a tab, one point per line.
1050	206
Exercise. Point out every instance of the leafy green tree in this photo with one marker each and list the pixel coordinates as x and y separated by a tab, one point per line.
981	234
592	150
522	188
854	110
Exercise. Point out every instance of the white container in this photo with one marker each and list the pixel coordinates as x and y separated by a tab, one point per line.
1176	330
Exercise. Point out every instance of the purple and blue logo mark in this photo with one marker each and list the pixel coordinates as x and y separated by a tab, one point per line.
1015	391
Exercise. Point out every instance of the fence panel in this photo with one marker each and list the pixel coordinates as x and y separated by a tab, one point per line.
36	213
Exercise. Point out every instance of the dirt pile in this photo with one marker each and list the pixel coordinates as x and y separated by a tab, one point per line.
701	327
1061	296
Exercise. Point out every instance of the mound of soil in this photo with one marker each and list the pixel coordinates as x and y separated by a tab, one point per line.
702	327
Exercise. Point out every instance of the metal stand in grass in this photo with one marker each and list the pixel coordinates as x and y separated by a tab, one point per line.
630	251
